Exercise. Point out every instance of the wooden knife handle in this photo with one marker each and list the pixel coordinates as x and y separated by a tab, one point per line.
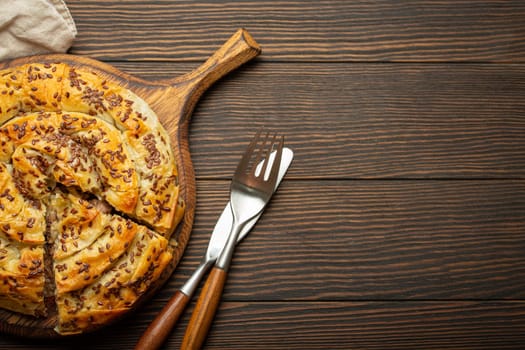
162	325
204	311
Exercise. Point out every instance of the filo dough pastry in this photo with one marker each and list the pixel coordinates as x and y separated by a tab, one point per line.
89	195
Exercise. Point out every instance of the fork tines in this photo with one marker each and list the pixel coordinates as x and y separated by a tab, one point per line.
267	149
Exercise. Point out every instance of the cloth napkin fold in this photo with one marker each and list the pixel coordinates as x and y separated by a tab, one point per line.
30	27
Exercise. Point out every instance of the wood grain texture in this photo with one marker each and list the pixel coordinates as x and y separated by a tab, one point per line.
368	325
311	30
332	325
374	240
380	121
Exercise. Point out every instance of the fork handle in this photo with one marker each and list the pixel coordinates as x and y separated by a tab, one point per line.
161	327
205	310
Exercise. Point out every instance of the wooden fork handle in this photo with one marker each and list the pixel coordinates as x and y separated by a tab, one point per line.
205	310
161	327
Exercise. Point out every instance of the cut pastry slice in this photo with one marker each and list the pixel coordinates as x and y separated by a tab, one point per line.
86	241
22	277
22	227
103	279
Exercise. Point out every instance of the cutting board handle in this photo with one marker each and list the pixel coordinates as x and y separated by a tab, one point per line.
239	49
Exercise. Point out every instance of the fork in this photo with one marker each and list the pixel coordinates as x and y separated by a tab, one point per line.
250	191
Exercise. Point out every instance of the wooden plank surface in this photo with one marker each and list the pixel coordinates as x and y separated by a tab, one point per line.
368	325
331	325
376	240
401	224
408	31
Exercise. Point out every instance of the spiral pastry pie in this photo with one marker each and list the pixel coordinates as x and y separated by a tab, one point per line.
89	195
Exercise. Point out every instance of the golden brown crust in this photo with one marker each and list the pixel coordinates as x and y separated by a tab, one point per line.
70	138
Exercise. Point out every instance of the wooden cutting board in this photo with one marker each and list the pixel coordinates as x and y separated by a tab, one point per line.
173	100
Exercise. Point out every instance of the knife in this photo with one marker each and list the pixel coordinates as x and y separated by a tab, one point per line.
161	326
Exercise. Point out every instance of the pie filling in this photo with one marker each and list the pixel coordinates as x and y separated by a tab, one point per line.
89	196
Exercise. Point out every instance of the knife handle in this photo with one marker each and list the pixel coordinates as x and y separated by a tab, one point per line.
205	310
162	325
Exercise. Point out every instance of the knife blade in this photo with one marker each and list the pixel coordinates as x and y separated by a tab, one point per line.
161	326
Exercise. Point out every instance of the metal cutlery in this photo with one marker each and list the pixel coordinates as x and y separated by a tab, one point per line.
250	191
162	325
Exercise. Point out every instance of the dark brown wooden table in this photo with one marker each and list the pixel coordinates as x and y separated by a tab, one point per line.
401	224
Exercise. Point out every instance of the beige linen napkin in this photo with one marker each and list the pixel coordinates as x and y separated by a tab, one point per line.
30	27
